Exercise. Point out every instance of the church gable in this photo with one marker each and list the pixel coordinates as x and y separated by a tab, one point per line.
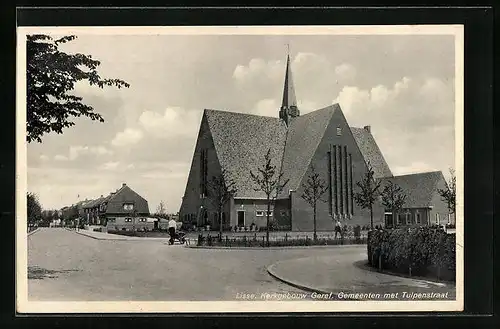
341	165
204	165
303	138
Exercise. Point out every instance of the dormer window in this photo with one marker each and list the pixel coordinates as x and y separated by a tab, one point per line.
339	131
128	206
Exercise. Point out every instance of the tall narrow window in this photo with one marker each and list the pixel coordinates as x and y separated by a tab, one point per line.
340	179
350	184
330	192
346	182
336	185
203	173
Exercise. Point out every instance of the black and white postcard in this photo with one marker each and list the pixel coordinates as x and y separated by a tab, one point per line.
239	169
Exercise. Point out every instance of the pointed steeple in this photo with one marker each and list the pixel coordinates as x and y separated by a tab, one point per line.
289	105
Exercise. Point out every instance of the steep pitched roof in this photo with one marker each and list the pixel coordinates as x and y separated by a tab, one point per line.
123	195
241	142
303	137
419	188
371	152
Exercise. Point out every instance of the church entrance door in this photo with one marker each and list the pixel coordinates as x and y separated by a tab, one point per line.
241	218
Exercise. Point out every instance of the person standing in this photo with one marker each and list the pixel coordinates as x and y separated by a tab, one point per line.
172	226
338	228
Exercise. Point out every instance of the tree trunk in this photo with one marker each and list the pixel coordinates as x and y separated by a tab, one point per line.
314	217
267	219
220	222
371	217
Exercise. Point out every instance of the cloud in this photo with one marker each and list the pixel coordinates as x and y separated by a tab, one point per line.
260	69
78	150
414	167
411	120
118	167
127	137
173	122
315	76
60	157
345	72
43	157
112	165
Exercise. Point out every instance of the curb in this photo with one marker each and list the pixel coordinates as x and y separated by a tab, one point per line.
119	239
33	232
292	283
274	248
364	266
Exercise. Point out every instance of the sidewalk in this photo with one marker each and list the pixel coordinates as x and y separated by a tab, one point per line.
345	274
107	236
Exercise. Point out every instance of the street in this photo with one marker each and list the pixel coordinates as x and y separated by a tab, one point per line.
67	266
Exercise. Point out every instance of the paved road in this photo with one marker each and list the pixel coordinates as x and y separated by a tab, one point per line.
64	266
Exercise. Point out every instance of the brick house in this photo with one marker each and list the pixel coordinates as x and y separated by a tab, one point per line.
424	205
323	138
125	209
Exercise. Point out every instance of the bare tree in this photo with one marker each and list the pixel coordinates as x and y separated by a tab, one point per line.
393	198
268	180
161	210
448	194
314	188
221	189
369	191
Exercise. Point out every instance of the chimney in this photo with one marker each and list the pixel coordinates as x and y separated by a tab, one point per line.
102	196
123	185
368	128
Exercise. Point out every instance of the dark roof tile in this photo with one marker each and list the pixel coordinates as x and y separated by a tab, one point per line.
371	152
419	187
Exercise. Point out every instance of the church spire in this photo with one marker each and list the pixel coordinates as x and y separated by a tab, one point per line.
289	105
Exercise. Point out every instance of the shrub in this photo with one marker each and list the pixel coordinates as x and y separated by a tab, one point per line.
422	251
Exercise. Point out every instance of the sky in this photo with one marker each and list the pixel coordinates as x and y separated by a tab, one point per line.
400	85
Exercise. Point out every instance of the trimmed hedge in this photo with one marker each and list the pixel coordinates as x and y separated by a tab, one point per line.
420	251
260	241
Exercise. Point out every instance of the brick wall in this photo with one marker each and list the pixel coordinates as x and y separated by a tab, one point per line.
191	201
440	207
302	212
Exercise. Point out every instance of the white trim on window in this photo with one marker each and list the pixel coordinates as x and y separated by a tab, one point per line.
128	220
437	218
259	213
128	206
407	218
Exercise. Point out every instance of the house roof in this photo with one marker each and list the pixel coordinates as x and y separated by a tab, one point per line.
371	152
419	188
124	195
241	141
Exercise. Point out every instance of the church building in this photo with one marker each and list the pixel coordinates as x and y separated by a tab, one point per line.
323	139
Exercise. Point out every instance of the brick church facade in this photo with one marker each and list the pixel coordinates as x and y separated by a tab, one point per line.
238	142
